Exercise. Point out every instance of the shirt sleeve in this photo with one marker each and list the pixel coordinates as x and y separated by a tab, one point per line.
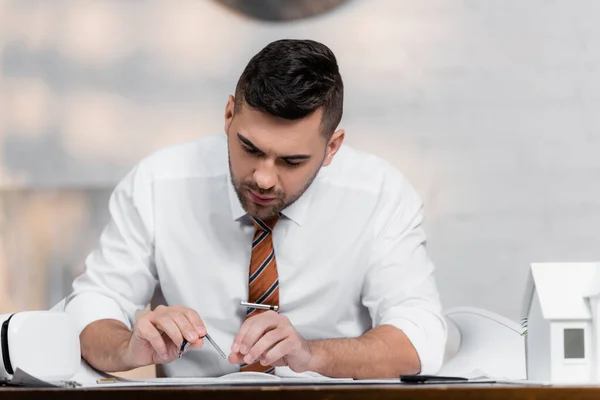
119	275
400	288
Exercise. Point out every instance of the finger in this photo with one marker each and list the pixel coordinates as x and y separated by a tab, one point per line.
265	343
185	327
166	324
237	341
186	346
196	321
277	352
147	331
262	324
172	348
199	343
236	358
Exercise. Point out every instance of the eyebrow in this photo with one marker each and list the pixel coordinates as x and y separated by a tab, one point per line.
295	157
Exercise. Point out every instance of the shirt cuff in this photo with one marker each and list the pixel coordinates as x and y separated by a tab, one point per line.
88	307
431	361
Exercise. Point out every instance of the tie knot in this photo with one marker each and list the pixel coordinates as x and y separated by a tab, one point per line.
267	224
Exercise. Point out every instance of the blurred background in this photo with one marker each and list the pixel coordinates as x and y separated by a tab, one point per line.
490	108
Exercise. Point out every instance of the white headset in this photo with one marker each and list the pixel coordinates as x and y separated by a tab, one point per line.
44	344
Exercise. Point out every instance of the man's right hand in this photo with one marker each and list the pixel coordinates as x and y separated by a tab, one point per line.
108	345
158	335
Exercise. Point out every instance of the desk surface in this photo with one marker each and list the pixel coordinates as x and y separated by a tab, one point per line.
380	392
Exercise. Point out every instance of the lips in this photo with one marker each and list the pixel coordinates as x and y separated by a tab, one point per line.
260	199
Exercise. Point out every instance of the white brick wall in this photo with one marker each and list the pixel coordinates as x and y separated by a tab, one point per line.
489	107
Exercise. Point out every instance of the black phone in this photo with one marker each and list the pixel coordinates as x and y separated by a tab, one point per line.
430	378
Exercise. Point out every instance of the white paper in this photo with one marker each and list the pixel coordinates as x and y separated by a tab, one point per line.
89	377
236	378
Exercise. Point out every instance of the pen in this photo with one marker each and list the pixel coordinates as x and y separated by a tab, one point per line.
259	306
185	345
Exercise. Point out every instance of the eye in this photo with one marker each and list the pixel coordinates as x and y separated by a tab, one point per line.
292	163
250	150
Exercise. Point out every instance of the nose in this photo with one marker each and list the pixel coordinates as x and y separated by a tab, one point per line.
265	177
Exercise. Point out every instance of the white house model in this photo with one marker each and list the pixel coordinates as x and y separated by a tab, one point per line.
563	331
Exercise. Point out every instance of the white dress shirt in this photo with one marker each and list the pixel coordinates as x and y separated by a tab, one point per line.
350	254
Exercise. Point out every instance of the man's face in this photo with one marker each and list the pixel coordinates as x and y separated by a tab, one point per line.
273	161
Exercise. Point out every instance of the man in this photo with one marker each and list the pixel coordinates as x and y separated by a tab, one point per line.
276	212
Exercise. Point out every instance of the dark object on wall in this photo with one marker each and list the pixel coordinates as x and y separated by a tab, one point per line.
281	10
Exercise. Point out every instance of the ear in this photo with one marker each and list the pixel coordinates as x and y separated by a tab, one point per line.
229	113
334	144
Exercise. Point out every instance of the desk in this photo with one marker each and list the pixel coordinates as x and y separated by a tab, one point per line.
331	392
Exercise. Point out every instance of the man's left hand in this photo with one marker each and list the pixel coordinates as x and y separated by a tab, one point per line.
270	339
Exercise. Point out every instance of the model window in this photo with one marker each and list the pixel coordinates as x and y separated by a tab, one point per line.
573	341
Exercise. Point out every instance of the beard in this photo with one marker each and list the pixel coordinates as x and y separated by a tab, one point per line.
265	212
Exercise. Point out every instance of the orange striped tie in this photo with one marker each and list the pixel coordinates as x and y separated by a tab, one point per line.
263	282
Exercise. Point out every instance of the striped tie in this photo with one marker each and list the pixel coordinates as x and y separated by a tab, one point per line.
263	282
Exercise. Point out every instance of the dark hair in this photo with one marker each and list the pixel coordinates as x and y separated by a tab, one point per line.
291	79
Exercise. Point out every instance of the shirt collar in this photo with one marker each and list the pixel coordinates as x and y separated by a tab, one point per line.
296	212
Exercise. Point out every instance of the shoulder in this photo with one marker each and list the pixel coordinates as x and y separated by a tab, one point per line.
385	194
359	170
204	157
